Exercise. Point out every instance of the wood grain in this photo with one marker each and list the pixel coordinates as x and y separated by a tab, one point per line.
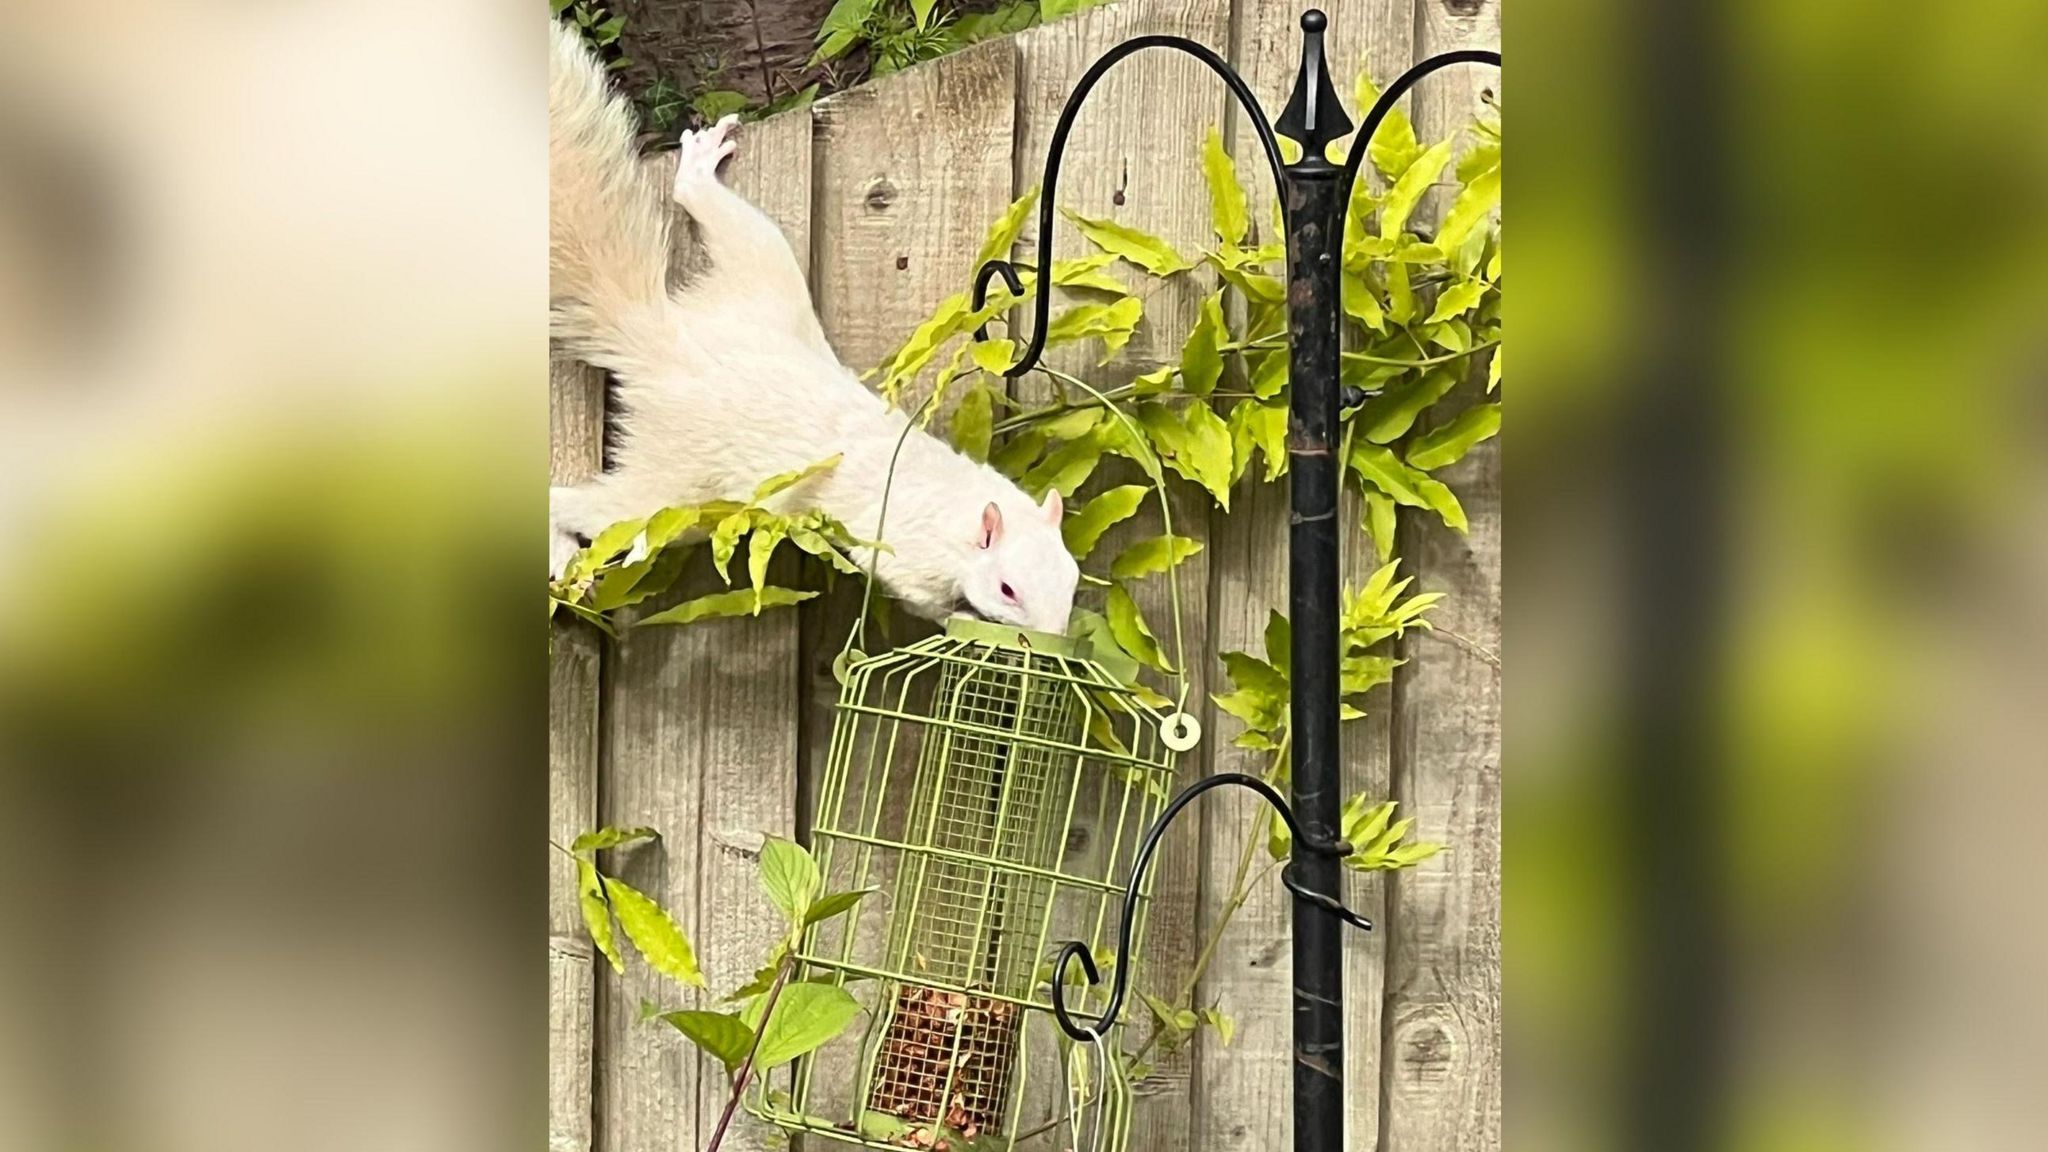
909	173
1442	1054
1134	157
745	697
576	440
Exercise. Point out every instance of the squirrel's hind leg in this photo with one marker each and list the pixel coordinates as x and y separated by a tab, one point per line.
751	263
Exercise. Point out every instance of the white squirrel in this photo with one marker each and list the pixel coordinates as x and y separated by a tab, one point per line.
729	380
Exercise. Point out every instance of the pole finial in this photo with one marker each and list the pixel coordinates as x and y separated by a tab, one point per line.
1314	115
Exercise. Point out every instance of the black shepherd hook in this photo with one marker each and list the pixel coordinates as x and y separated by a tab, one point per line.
1075	950
1313	116
1380	108
1050	185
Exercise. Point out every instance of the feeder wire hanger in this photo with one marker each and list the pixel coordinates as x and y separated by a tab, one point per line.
1315	195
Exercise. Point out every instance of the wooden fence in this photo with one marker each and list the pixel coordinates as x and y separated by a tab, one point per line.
712	732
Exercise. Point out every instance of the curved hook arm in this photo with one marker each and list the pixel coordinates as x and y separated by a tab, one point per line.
1385	104
1075	950
1049	187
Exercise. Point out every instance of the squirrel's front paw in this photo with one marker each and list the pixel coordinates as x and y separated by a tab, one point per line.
698	154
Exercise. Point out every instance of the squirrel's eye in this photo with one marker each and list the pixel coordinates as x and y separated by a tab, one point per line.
1008	594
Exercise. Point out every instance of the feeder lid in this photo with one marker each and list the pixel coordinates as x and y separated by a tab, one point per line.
1104	654
1009	636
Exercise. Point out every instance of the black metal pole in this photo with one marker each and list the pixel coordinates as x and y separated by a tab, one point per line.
1314	194
1315	198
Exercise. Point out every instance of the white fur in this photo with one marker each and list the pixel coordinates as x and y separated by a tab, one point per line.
730	380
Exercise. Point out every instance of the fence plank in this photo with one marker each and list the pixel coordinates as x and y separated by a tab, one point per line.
1134	157
1245	1103
576	414
908	173
702	745
745	693
1443	1032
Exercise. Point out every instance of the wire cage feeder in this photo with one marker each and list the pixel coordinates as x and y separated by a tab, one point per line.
993	785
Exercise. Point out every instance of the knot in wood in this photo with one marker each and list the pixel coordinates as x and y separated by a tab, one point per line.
880	194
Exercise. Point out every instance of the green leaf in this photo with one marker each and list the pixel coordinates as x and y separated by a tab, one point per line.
1140	248
994	356
837	904
1480	195
1114	322
1268	427
1132	634
597	913
1269	375
1002	235
1226	196
1242	443
1201	357
1388	416
1400	296
951	319
1493	369
1385	471
1226	1028
1441	500
1066	468
1360	304
1393	147
1176	1020
611	838
661	943
1072	425
1260	712
1379	523
883	1127
790	877
922	9
1279	641
760	550
1256	285
1449	443
1017	453
807	1017
1457	300
1088	272
725	539
605	547
1402	197
783	481
847	16
1085	525
1207	451
721	1034
1155	555
738	602
1251	674
713	106
973	419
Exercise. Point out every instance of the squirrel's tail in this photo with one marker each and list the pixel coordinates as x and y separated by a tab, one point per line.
608	221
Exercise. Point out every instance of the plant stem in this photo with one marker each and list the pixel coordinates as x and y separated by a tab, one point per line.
1240	891
1423	363
746	1070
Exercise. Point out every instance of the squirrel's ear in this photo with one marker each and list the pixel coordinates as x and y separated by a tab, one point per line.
991	525
1054	507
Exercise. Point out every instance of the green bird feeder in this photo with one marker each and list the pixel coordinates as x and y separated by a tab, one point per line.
994	786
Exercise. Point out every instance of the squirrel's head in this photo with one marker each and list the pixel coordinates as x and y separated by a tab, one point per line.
1021	572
